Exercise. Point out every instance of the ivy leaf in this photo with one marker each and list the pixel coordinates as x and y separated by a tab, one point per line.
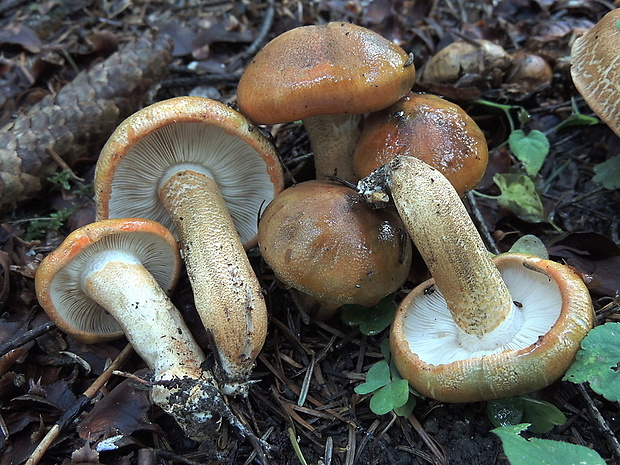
377	377
389	397
535	451
598	360
530	149
542	416
608	173
518	194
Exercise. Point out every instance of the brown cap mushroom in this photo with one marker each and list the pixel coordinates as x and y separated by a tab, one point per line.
427	127
321	238
110	278
478	330
325	75
595	69
203	170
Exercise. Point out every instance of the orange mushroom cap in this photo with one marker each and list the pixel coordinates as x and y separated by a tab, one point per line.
429	128
323	70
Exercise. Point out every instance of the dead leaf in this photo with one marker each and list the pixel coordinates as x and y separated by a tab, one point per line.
23	36
595	256
124	410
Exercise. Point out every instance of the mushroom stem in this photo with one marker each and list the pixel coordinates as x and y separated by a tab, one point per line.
230	302
134	298
120	284
447	239
333	139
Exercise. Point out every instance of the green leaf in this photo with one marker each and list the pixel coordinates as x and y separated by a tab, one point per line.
530	149
378	376
530	244
542	415
503	412
371	320
406	409
389	397
598	361
535	451
608	173
518	194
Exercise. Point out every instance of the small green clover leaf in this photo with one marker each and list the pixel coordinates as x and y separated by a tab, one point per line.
389	397
535	451
530	149
371	320
542	415
607	174
378	376
389	391
598	360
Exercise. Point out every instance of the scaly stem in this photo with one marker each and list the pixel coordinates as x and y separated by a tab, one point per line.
227	294
159	335
130	293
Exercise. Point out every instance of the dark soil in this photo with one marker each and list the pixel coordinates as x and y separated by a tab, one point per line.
43	377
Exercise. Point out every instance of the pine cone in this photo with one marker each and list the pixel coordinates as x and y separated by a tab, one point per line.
79	118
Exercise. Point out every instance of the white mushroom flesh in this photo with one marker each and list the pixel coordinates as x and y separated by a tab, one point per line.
433	336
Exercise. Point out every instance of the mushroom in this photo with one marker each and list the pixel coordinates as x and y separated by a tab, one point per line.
595	69
479	329
528	72
322	239
203	170
327	76
427	127
466	61
112	278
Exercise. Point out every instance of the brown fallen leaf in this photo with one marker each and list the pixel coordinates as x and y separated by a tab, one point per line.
124	410
593	255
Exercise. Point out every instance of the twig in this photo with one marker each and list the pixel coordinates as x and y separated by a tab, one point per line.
481	224
26	337
80	404
436	450
612	441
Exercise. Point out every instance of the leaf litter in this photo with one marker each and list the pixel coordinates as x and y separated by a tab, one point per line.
315	364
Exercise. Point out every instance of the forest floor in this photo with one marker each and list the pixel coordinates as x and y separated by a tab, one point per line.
44	44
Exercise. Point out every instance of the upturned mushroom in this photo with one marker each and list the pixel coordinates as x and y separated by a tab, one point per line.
327	76
479	329
427	127
203	170
595	68
321	238
112	278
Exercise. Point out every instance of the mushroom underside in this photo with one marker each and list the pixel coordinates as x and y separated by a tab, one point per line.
432	335
240	172
83	313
